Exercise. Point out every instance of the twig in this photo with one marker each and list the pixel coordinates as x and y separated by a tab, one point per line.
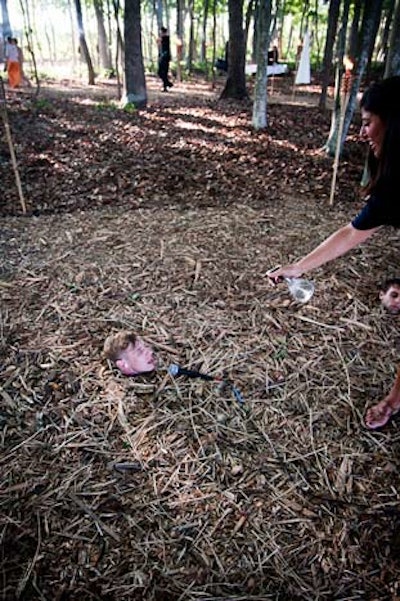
3	108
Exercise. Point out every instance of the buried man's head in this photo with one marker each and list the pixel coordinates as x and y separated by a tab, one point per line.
131	355
389	295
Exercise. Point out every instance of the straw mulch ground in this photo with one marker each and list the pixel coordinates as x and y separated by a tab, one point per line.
167	489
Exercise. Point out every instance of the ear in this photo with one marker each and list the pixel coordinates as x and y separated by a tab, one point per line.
121	364
381	295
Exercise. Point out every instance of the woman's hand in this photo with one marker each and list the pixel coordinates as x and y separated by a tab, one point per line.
287	271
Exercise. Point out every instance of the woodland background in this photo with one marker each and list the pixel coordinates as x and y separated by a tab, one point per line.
164	219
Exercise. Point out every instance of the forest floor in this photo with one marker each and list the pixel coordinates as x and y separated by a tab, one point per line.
164	221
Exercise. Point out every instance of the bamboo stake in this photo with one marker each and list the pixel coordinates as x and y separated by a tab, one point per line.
346	89
4	115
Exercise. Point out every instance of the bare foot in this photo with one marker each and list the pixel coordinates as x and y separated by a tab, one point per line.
380	414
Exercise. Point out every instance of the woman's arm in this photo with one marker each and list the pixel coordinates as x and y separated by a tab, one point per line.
335	246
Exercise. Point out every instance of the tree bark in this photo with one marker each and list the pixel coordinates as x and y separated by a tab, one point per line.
203	54
260	92
372	12
392	66
354	31
6	20
135	83
104	50
333	17
180	49
82	43
386	30
249	14
235	85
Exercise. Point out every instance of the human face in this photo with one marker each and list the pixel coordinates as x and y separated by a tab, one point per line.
137	359
391	299
372	131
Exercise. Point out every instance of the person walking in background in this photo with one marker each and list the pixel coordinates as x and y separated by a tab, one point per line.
380	114
14	70
164	57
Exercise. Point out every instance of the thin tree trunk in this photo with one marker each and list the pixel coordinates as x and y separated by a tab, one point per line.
214	41
386	30
29	41
119	47
333	17
158	8
180	50
235	85
255	32
6	20
135	91
72	23
104	51
260	92
372	13
203	55
190	55
341	46
354	31
392	66
249	15
82	43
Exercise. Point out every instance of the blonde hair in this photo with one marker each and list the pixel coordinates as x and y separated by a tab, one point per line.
116	344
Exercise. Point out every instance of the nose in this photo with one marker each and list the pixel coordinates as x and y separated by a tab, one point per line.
363	133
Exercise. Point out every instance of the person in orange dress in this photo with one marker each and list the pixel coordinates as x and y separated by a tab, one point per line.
14	70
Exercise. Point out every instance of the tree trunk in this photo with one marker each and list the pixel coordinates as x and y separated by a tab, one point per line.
354	32
235	85
190	56
371	49
386	30
249	15
120	49
392	66
104	50
341	46
135	83
304	18
260	92
255	33
214	40
180	49
73	32
82	43
372	12
203	54
158	7
280	27
328	53
6	29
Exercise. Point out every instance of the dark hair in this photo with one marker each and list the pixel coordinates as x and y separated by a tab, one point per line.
384	287
383	99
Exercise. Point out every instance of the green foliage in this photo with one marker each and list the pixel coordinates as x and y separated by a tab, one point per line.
130	108
42	103
109	73
106	105
201	67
